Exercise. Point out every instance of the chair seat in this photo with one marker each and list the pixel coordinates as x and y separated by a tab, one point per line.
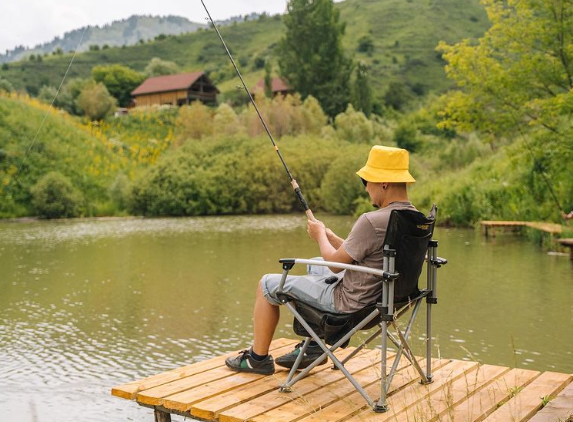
331	327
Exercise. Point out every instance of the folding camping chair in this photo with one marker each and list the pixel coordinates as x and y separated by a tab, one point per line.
407	244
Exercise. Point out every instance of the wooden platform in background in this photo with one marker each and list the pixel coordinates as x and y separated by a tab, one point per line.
568	243
461	391
551	228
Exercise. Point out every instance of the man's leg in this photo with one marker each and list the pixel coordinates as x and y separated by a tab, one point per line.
265	320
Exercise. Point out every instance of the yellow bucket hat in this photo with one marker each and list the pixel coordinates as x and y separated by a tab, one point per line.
387	164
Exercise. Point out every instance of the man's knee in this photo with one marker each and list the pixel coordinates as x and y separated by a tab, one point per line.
268	286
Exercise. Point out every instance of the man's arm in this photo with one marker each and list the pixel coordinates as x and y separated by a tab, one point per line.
317	231
334	240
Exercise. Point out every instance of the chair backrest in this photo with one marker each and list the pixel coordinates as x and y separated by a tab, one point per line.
409	233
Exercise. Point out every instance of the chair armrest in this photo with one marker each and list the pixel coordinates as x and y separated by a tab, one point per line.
438	262
292	261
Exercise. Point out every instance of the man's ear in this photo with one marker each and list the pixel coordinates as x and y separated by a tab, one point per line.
384	186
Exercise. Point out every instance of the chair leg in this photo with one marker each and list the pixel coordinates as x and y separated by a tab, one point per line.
400	346
407	349
381	406
429	375
362	346
328	352
295	365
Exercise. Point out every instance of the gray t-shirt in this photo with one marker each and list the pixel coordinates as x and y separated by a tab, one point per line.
364	244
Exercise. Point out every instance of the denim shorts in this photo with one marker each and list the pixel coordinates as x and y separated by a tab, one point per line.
310	289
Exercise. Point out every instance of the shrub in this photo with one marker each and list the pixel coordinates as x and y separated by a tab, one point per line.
5	85
158	67
406	136
366	45
54	196
96	102
354	126
194	122
341	187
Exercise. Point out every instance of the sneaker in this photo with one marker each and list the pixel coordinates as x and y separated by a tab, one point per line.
246	363
311	354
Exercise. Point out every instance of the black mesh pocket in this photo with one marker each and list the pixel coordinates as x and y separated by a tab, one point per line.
335	327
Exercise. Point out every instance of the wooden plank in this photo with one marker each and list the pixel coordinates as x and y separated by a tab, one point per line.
551	228
528	401
209	409
329	393
355	402
129	390
485	401
503	223
182	401
340	392
558	409
154	396
441	401
275	399
416	393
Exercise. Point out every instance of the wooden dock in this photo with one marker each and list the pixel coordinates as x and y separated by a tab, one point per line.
490	226
461	391
568	243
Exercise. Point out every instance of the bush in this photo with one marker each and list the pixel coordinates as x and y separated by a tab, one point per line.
96	102
236	175
54	196
158	67
406	136
341	188
5	85
366	45
194	122
354	126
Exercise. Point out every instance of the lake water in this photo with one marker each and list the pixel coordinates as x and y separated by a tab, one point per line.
86	305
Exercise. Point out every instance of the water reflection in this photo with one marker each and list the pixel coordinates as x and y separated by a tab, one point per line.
85	305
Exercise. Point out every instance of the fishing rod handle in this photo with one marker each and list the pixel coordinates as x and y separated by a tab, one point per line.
303	202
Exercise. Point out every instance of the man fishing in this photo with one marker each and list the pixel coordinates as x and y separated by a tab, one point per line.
385	177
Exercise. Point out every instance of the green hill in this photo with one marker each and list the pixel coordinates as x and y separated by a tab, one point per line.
121	32
404	34
96	159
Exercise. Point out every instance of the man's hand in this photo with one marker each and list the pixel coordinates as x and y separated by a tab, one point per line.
315	229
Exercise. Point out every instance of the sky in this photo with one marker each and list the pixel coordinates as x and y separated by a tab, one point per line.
31	22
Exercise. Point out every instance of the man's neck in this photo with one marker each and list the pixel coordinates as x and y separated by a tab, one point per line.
394	198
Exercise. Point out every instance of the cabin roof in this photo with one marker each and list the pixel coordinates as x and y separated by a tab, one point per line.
277	85
167	83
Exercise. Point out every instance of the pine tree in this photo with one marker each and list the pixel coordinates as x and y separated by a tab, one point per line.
362	93
311	57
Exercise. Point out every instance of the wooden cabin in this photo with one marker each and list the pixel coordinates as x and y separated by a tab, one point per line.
179	89
278	87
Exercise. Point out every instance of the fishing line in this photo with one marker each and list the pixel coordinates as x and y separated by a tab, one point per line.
537	164
14	176
293	182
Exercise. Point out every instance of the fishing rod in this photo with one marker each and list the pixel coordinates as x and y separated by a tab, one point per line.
293	182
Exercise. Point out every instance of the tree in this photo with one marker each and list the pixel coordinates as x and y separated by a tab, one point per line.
5	85
518	76
362	93
268	80
397	96
194	122
96	102
54	196
158	67
119	81
311	57
366	45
